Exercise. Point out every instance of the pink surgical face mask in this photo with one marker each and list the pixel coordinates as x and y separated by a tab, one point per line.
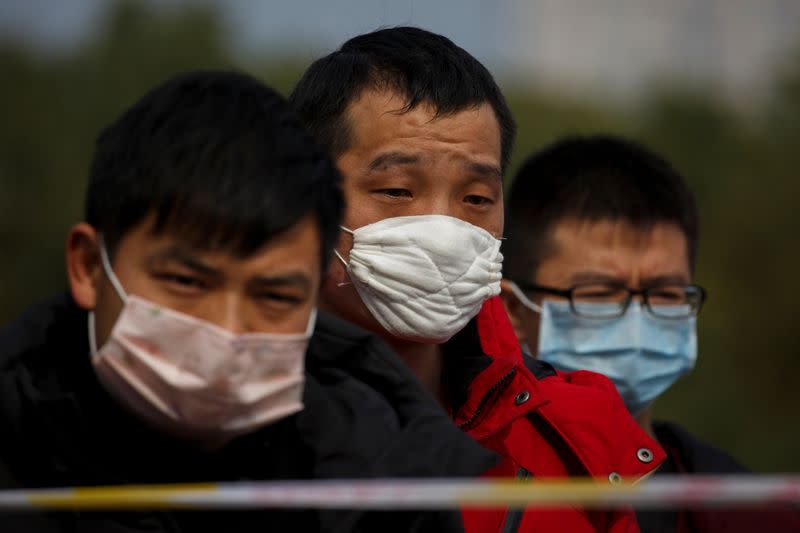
192	379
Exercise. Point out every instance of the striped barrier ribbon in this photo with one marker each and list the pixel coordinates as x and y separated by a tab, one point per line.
663	492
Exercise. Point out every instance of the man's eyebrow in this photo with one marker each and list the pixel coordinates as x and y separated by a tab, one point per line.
295	279
595	276
665	279
185	258
485	169
389	159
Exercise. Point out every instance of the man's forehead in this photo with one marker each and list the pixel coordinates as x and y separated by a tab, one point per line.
376	101
388	159
614	233
384	115
173	243
618	246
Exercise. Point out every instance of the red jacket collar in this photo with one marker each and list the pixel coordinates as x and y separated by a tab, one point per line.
583	407
497	336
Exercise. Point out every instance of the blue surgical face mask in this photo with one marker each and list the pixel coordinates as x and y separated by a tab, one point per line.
643	355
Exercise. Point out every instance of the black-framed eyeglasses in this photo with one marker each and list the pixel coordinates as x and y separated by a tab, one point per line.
604	300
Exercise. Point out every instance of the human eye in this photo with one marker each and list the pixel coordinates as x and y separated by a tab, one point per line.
394	193
599	292
478	200
281	297
668	295
278	301
479	193
181	281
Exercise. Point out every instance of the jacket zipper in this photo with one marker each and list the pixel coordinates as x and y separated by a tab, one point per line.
514	516
500	385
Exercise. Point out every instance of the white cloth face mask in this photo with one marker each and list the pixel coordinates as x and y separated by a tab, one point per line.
192	379
424	277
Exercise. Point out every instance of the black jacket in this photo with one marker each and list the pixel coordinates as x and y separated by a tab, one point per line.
689	455
365	416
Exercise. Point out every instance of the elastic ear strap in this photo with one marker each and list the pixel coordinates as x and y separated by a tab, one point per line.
346	230
312	322
524	300
336	252
110	272
338	255
92	338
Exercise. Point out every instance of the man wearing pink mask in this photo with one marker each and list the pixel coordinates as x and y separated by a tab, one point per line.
182	352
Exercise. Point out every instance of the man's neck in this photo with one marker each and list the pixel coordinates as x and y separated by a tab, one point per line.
425	361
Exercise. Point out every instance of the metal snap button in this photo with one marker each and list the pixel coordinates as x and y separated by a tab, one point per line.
645	455
522	397
614	478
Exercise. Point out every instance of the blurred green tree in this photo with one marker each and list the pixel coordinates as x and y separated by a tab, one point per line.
54	111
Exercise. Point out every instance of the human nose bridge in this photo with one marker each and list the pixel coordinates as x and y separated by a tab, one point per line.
439	205
638	295
230	312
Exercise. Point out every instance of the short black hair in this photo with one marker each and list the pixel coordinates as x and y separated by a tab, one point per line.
220	160
424	67
592	178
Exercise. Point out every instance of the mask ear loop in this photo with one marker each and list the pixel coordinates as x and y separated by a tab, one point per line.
110	272
114	283
339	256
524	300
92	338
527	303
312	322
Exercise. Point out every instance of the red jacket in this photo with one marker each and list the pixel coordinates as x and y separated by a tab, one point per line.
542	423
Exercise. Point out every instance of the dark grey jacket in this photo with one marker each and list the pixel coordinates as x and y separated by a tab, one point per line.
365	415
689	455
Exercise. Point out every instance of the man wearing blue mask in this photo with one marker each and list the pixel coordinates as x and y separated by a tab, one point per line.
601	248
599	260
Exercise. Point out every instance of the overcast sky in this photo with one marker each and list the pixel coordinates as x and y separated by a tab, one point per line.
731	45
303	27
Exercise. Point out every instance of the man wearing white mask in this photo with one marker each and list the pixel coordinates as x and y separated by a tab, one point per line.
183	352
422	135
601	249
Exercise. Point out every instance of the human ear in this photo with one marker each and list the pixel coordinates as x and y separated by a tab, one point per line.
83	264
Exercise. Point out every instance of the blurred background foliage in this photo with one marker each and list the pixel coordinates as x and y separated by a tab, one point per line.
743	394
